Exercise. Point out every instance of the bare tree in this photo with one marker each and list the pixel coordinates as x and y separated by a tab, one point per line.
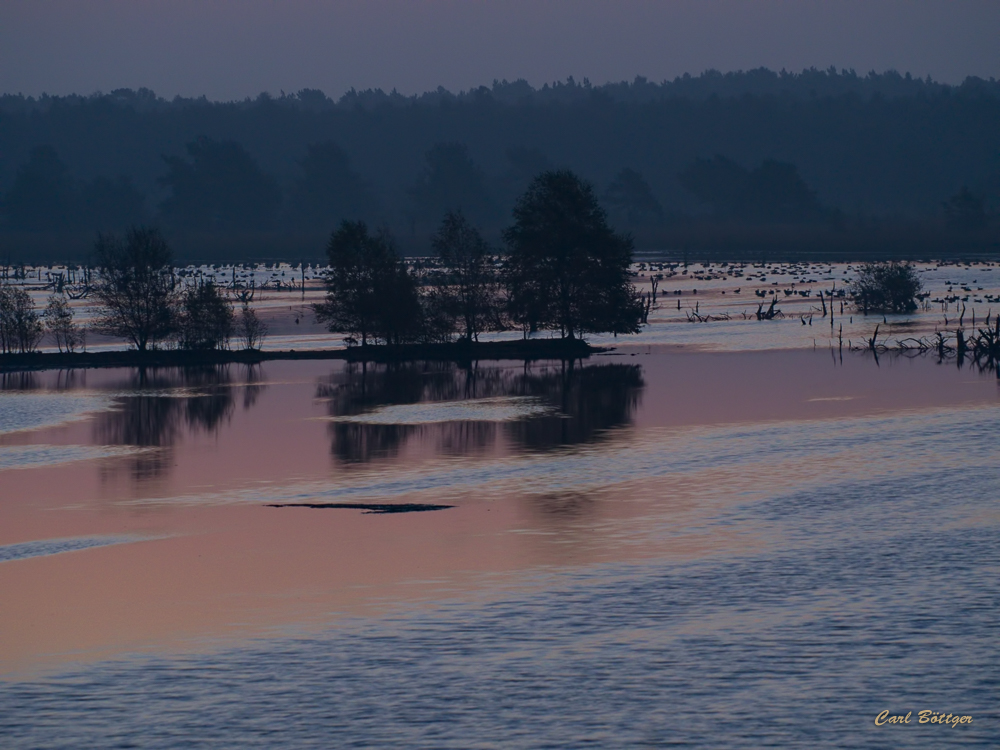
20	327
250	329
136	287
58	317
471	288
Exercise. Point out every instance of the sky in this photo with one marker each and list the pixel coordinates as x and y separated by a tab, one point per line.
232	49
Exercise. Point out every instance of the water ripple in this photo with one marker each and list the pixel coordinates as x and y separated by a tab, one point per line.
501	409
24	550
31	411
34	456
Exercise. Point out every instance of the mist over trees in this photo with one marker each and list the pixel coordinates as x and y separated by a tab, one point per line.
451	181
773	191
271	177
44	197
218	187
328	190
631	200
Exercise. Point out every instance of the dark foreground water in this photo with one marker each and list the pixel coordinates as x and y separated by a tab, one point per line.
862	574
797	649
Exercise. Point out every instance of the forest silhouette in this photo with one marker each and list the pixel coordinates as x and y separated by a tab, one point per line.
757	158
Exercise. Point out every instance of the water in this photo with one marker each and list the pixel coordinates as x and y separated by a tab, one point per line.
636	557
24	411
800	647
23	551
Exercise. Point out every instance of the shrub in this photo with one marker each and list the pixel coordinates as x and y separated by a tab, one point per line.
250	329
20	327
206	318
886	286
58	318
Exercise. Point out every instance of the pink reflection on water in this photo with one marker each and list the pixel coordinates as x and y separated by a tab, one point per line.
236	570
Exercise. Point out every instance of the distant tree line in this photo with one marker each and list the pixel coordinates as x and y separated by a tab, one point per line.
752	148
44	197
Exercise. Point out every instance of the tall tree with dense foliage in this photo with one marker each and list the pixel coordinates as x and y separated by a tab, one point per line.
566	267
470	288
370	292
135	287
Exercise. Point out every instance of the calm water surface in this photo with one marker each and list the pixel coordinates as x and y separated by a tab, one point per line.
728	550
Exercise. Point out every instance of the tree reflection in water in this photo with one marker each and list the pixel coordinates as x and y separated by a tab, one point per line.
578	404
159	406
19	381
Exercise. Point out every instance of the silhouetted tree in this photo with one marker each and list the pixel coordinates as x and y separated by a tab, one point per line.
470	290
250	328
20	326
220	187
43	195
451	181
329	190
886	287
370	291
206	318
566	267
630	197
58	317
135	286
965	211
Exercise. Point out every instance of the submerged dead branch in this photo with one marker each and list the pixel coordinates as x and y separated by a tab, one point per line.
771	313
980	347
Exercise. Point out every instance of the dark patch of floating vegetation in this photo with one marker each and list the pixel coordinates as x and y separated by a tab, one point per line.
373	508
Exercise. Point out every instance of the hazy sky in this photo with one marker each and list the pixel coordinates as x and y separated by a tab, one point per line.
229	49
